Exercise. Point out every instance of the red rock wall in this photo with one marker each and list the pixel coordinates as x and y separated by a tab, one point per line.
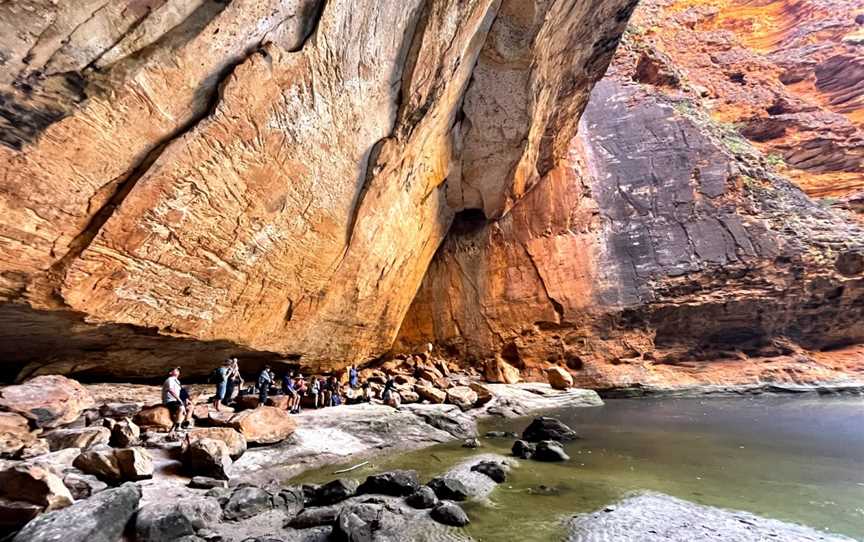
186	180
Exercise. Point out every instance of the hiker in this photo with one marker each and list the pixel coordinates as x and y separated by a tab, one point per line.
234	381
220	377
290	389
389	395
315	391
353	377
265	378
334	397
301	388
368	392
172	398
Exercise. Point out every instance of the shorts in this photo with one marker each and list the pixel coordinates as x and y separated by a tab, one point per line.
176	409
220	390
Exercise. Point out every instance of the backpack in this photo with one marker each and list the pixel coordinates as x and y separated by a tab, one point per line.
216	375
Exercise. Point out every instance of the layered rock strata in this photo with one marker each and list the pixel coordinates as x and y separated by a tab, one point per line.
185	180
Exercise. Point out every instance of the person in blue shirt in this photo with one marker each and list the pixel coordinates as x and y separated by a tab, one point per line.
353	377
265	379
221	375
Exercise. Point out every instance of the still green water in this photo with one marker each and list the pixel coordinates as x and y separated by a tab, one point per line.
791	458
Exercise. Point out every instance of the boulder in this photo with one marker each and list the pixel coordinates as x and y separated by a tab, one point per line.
170	519
449	489
36	485
83	438
16	514
431	394
423	498
522	449
47	401
559	378
450	513
15	434
498	370
462	396
332	492
398	483
124	433
35	449
494	470
409	396
208	457
101	518
550	450
546	428
279	401
246	502
57	462
264	425
154	417
483	393
119	411
83	486
232	438
115	465
430	374
205	482
314	517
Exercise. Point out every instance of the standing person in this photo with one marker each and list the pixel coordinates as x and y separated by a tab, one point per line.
326	392
234	381
335	395
368	393
389	395
289	389
171	398
353	377
264	381
221	376
301	388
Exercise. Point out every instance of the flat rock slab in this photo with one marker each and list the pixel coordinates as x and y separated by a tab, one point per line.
654	517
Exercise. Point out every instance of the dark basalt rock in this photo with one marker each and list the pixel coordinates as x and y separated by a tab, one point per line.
204	482
397	483
449	489
331	492
550	450
492	469
101	518
451	514
522	449
246	502
314	517
545	428
422	498
173	519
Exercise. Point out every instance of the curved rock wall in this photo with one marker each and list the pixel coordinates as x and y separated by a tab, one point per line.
185	179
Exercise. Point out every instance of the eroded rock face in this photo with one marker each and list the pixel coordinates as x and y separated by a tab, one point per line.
47	401
259	177
667	243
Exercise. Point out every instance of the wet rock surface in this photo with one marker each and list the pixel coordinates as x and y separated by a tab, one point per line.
546	428
654	517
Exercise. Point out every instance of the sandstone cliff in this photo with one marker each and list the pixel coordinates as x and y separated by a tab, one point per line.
183	179
668	249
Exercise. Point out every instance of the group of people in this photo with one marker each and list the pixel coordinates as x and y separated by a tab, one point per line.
319	391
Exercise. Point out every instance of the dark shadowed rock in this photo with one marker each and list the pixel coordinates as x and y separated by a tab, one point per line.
47	401
83	486
101	518
124	433
246	502
36	485
550	450
451	514
546	428
160	521
119	411
422	498
449	489
397	483
522	449
332	492
314	517
492	469
204	482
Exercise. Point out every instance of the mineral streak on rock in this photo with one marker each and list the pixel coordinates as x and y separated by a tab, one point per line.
184	179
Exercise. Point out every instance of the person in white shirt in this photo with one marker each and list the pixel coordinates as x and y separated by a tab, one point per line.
172	393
